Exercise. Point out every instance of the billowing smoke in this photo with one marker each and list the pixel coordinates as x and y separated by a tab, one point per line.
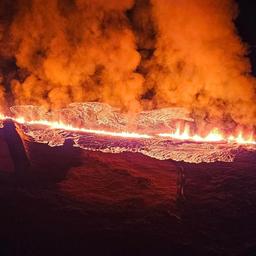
130	54
76	51
200	62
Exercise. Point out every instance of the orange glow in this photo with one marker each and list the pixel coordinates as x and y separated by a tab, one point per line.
215	135
68	127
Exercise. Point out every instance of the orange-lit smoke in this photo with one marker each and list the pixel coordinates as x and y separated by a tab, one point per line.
76	51
187	53
200	62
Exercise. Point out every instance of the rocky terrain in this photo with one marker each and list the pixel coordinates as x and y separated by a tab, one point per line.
66	200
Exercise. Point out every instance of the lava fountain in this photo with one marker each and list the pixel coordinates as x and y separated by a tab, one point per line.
158	134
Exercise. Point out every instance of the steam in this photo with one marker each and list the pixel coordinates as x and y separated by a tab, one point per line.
76	51
134	55
200	61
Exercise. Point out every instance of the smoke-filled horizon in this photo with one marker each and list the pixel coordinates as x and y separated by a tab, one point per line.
135	55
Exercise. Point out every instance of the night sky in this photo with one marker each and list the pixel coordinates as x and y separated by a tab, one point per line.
246	23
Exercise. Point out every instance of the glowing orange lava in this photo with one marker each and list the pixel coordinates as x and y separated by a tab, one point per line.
68	127
215	135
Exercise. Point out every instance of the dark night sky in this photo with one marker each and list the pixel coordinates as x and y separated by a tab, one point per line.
246	24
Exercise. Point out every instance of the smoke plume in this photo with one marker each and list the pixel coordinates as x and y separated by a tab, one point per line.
76	51
200	61
135	55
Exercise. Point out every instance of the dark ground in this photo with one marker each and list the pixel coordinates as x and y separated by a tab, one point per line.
73	202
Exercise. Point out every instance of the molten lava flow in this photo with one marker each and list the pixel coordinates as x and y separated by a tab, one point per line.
214	135
68	127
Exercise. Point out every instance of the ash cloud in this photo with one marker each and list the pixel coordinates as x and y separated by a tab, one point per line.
135	55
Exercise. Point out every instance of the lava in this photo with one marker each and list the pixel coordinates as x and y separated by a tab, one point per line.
215	135
68	127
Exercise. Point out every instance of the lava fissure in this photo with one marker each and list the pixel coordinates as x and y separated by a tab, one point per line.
214	136
162	134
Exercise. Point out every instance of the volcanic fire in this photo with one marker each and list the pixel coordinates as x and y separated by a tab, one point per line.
126	70
158	134
214	135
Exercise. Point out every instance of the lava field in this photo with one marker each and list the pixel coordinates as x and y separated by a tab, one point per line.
128	203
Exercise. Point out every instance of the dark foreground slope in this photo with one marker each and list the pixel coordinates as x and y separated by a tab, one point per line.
73	202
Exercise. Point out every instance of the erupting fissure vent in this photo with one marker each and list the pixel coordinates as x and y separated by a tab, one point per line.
162	134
